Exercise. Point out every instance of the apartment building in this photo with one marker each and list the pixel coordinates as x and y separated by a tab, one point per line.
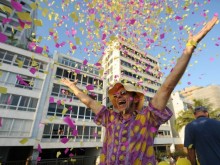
125	62
24	81
16	21
85	139
210	92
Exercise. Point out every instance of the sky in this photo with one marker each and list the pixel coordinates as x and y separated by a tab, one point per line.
84	28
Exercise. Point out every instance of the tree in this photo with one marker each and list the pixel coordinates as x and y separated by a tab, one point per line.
187	116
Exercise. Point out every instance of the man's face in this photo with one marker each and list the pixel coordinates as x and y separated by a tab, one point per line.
123	99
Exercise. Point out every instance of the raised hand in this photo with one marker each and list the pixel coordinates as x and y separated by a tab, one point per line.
194	39
68	83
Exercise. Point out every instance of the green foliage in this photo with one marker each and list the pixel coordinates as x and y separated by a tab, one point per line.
187	116
179	153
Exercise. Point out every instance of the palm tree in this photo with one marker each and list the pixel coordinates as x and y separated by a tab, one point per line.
186	116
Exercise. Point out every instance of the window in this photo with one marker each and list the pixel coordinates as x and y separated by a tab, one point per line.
88	113
81	112
23	103
55	90
4	130
52	109
14	101
80	131
59	73
74	111
86	132
47	130
59	110
79	76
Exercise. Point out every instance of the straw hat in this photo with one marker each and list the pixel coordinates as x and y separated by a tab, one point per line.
128	87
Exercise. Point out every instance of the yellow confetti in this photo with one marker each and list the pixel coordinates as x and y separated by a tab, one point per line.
6	9
23	141
190	146
33	6
38	22
3	90
44	12
74	16
64	111
24	16
58	154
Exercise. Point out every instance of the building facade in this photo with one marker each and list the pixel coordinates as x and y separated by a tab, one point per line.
17	22
210	92
24	81
86	137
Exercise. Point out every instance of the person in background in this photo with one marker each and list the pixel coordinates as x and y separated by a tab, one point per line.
202	138
130	132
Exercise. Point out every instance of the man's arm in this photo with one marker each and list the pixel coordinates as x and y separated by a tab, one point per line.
160	99
84	98
192	155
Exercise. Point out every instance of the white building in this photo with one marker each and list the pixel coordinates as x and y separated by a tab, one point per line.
18	32
178	103
125	62
65	104
24	82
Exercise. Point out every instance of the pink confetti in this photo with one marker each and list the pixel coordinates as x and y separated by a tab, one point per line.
90	87
97	64
16	5
51	100
85	62
75	132
69	121
3	37
178	18
6	20
71	155
0	122
64	140
31	45
77	71
66	150
33	70
38	158
162	36
189	83
132	21
21	81
9	101
181	28
211	59
153	129
95	134
103	36
58	102
148	67
39	49
118	18
39	148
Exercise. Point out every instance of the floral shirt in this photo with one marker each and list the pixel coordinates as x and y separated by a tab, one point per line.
130	142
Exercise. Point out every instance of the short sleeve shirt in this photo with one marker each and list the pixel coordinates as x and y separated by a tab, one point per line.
130	142
203	134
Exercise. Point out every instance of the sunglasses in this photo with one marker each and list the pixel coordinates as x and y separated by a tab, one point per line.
122	93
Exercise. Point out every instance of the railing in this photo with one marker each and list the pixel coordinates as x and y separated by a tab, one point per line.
76	160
